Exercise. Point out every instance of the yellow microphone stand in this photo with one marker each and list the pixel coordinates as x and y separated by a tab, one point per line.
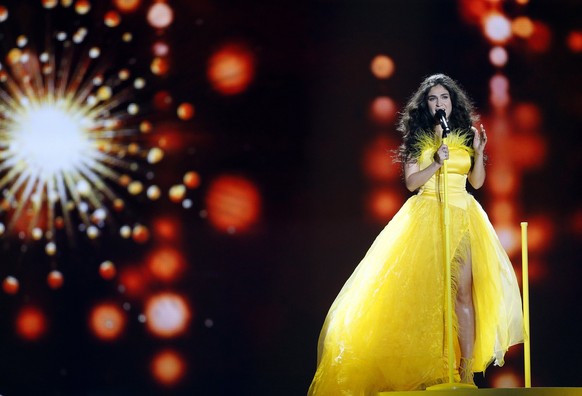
451	385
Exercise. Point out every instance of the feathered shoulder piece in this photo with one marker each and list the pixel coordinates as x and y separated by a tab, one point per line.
427	143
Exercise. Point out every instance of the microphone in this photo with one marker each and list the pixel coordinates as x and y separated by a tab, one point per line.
441	117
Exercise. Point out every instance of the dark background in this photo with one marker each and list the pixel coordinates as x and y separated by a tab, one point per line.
299	133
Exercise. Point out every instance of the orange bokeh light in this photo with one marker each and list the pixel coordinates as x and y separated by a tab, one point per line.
49	3
384	203
522	27
31	323
233	203
378	162
127	5
167	314
185	111
502	180
540	233
191	179
166	263
82	6
160	66
506	380
168	367
55	279
502	211
383	110
10	285
231	69
107	321
382	66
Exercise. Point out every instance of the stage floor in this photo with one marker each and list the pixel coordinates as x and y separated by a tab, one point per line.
492	392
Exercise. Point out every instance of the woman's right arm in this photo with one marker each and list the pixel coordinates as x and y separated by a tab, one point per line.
415	178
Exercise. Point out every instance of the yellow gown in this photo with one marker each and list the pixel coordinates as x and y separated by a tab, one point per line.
386	329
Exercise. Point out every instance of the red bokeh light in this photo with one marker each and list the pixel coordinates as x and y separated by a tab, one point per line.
134	281
168	367
107	270
527	116
231	69
107	321
472	11
574	41
541	39
167	314
112	19
55	279
160	66
140	233
166	264
10	285
529	151
233	203
163	100
383	110
167	228
31	323
378	160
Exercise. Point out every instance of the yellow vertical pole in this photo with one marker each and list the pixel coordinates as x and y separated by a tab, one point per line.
525	286
448	285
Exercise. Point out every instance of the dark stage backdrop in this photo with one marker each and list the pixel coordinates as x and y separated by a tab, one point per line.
187	184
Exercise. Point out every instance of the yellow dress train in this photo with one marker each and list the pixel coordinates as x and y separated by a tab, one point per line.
386	328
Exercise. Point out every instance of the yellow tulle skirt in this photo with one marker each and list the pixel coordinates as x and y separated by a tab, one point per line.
386	329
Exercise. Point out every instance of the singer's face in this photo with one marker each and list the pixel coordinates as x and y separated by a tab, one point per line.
439	98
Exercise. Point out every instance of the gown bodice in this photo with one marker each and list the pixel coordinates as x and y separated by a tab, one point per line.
458	167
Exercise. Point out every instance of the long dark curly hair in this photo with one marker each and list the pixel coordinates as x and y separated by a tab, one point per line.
416	118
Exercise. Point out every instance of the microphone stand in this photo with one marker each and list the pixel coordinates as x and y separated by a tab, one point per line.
451	385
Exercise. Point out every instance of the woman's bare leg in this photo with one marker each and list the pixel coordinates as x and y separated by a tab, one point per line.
466	317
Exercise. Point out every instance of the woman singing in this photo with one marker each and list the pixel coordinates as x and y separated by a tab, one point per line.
386	329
